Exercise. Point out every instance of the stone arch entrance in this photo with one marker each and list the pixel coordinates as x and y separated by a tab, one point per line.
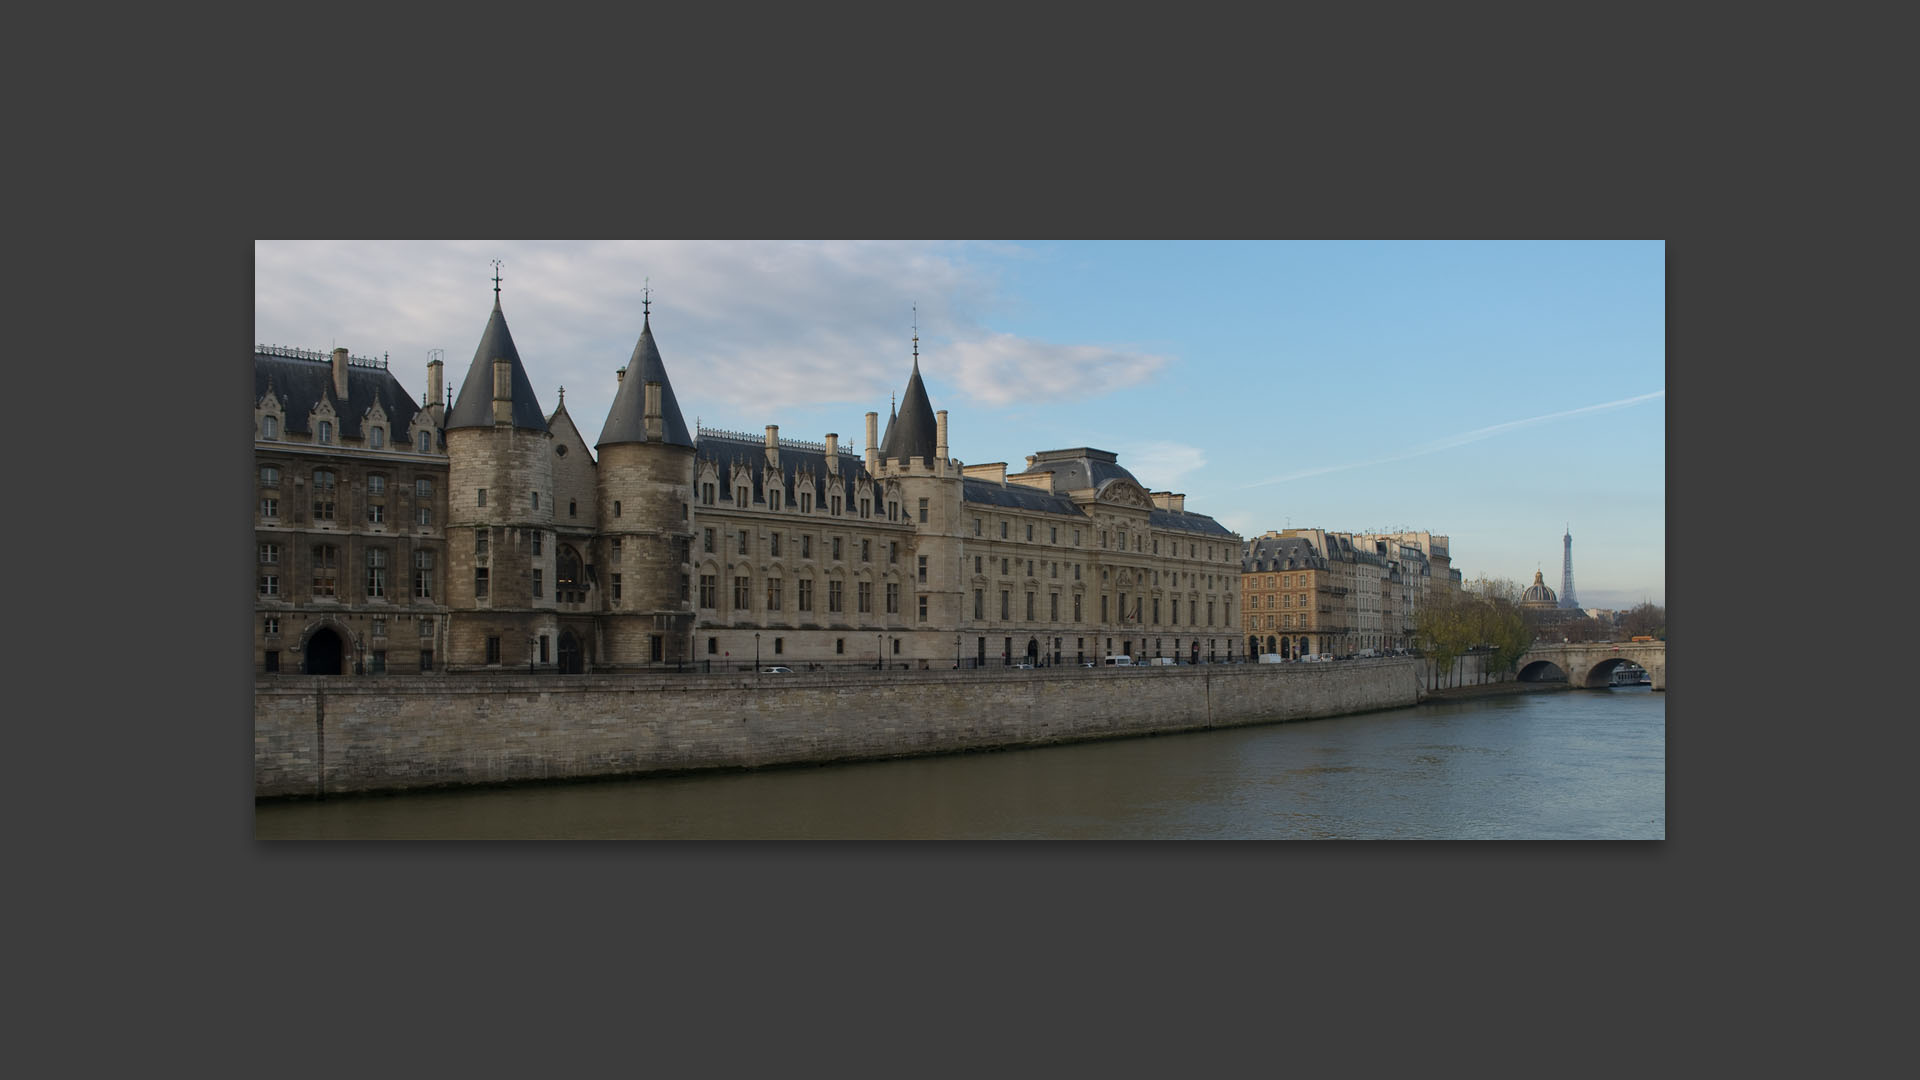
325	653
571	662
1033	651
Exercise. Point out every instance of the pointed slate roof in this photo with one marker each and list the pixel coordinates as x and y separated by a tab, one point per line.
626	420
913	433
474	407
301	383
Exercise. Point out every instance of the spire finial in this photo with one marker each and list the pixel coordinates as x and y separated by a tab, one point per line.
916	333
563	395
496	282
646	300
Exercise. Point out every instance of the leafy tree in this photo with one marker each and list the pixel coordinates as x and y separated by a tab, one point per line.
1442	631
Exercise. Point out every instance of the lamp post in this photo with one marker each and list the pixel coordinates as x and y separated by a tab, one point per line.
879	653
956	652
530	644
756	653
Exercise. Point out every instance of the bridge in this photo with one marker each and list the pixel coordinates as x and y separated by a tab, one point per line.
1591	664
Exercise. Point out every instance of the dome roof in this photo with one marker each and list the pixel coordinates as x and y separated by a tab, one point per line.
1538	593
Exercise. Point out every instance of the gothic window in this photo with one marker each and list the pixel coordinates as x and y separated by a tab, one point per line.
269	427
377	438
326	432
566	570
423	576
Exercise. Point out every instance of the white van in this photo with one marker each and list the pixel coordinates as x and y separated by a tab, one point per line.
1119	661
1272	658
1162	661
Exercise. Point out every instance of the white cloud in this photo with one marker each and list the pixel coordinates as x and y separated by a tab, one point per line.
1162	465
744	327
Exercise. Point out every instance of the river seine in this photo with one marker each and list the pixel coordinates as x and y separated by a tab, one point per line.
1587	765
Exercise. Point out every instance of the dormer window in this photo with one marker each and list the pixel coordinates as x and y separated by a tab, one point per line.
377	438
426	442
269	427
325	434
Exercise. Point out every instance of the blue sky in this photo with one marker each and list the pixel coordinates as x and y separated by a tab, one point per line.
1491	391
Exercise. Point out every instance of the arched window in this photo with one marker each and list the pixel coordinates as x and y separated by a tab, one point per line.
269	427
566	566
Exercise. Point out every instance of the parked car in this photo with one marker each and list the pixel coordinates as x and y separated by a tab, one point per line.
1023	666
776	671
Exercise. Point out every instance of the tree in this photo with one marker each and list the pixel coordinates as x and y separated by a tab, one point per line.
1442	631
1648	619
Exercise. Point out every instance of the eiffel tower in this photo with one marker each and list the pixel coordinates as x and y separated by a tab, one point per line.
1566	573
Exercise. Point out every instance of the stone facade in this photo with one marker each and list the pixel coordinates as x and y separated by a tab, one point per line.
720	550
349	517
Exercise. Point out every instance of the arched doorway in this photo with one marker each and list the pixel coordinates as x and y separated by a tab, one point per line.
1253	645
570	661
1271	645
1033	651
324	653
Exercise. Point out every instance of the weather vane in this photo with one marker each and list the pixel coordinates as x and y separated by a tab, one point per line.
496	280
646	298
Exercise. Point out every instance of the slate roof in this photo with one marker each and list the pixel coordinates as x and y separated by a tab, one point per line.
1079	468
474	406
915	433
300	384
1016	497
1187	521
626	419
1268	553
724	451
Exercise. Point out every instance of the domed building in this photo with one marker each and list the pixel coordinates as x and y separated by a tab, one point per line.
1537	596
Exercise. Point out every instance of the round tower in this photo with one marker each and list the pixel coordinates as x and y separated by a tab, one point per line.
645	492
500	579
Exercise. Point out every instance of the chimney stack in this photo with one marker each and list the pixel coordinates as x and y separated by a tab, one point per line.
833	453
433	382
773	445
340	374
940	435
655	425
873	441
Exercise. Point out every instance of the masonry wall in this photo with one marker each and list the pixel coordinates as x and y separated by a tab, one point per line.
315	736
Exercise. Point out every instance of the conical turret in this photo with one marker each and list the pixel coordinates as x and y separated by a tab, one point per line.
484	384
627	419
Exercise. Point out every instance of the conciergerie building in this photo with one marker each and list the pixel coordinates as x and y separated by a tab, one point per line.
398	537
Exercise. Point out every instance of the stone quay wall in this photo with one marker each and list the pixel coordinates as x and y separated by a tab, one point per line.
327	736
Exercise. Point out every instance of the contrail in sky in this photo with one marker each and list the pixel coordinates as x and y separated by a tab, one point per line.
1465	437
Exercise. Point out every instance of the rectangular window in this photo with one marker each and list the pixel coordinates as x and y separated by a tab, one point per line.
272	661
706	541
1054	614
923	609
1053	534
269	553
866	598
806	545
713	646
536	499
707	589
779	645
866	551
426	627
1003	530
742	596
269	508
480	583
923	569
806	502
804	594
836	549
976	526
269	476
743	541
269	585
923	511
380	628
376	513
1029	607
893	551
537	583
376	573
773	594
480	542
423	515
423	575
833	596
1156	611
493	650
836	506
1006	608
979	603
1076	608
893	598
686	585
480	497
271	625
616	508
1029	532
976	565
773	545
423	489
1103	607
325	558
536	543
376	485
426	655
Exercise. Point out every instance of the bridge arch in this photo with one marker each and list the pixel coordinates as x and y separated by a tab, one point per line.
1543	671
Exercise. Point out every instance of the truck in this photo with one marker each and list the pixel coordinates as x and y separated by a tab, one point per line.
1272	658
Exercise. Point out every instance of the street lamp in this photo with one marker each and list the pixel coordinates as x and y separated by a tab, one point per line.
956	652
879	653
756	653
530	644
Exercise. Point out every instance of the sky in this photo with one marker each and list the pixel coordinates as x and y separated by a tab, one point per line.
1494	392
